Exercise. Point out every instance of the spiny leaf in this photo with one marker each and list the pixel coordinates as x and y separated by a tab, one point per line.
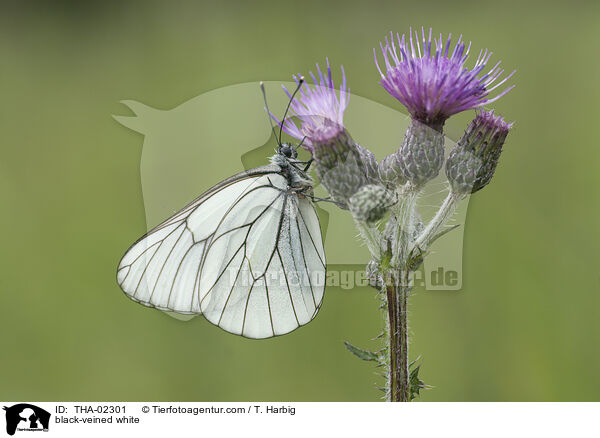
380	335
442	232
360	353
410	365
416	384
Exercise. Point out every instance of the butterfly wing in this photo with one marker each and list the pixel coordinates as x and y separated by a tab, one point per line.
272	277
237	254
160	269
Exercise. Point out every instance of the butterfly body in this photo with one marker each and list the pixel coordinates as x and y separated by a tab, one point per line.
292	169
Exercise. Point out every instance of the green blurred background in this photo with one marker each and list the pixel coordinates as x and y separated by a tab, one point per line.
525	326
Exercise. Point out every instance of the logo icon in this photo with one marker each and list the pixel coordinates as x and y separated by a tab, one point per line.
26	417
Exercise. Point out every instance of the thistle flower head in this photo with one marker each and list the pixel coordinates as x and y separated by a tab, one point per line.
421	155
472	162
319	108
343	167
488	127
433	83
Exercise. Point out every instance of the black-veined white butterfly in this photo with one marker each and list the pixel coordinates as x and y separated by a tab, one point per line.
247	254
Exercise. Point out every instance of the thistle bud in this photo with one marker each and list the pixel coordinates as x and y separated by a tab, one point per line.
390	172
421	153
370	203
343	167
472	162
370	163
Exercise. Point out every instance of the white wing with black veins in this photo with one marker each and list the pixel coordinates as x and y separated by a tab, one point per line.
248	254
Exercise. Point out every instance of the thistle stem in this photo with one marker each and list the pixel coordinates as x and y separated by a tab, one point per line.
403	227
371	237
437	222
398	288
399	374
391	251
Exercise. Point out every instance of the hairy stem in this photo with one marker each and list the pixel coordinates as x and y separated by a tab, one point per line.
443	214
403	227
399	374
398	288
371	236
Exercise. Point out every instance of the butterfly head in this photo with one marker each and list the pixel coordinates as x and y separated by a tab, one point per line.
288	151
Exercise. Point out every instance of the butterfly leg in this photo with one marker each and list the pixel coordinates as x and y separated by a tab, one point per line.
328	199
308	163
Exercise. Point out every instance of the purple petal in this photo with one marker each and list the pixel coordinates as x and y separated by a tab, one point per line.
434	83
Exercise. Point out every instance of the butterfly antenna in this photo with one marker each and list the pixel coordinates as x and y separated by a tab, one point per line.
262	88
300	82
300	144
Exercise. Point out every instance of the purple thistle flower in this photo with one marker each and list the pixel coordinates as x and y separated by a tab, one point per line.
435	84
472	162
320	109
491	124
